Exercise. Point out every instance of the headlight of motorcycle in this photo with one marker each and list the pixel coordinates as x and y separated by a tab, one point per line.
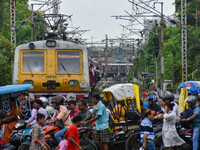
17	125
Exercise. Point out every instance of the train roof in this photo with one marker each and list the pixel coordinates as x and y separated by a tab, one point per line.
59	45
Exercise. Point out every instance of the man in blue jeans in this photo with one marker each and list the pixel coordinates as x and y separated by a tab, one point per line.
61	114
192	102
147	133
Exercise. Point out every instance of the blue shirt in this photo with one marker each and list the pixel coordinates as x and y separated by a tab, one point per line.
102	122
196	121
146	128
146	105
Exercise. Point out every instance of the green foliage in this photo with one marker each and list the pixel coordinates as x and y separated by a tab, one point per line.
5	61
172	50
22	33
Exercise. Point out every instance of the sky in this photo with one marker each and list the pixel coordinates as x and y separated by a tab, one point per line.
95	15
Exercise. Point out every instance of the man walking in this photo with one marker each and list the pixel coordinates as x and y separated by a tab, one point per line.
101	119
147	133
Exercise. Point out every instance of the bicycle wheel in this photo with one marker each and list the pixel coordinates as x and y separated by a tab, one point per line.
133	141
87	144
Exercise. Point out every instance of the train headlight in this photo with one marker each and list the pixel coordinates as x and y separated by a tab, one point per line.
50	43
31	45
73	82
28	82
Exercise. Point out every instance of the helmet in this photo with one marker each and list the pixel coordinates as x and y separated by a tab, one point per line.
168	96
153	98
43	99
58	100
191	99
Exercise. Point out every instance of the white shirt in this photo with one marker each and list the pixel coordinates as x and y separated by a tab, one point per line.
177	111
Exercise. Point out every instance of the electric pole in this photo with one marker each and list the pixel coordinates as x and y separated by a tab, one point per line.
156	41
32	24
12	23
161	45
161	48
106	57
184	39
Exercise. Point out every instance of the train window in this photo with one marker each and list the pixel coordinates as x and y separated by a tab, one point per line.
68	61
33	61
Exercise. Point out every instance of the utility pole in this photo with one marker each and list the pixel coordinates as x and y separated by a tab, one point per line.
184	39
32	24
156	28
12	23
161	47
106	57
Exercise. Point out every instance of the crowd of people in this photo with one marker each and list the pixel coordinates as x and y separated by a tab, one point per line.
87	112
77	114
169	112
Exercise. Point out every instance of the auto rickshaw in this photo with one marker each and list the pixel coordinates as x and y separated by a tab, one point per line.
186	89
18	96
123	100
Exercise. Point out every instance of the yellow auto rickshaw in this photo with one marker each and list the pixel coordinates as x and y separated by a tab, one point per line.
123	101
186	89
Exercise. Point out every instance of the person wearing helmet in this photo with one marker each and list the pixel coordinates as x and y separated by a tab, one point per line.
169	98
152	100
46	106
192	102
60	114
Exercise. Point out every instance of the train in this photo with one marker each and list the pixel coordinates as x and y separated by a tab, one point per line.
53	67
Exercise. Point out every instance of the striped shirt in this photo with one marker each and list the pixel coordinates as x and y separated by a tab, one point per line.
146	128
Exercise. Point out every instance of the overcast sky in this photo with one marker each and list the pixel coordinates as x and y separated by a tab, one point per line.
95	15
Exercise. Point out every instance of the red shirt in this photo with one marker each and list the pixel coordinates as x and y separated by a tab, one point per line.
74	113
145	94
73	132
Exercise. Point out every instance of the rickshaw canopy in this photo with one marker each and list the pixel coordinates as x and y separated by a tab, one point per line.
15	88
185	89
191	86
123	92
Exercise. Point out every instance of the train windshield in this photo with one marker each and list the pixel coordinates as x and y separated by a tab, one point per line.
33	61
68	61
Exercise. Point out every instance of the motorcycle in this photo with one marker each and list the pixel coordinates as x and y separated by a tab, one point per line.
186	135
49	138
183	132
20	135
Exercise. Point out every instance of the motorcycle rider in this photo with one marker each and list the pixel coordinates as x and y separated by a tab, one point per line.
46	106
191	100
84	112
61	114
169	98
151	103
38	106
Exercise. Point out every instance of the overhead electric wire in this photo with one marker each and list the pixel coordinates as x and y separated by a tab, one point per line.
35	13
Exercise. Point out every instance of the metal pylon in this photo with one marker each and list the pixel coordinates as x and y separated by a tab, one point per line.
12	22
184	39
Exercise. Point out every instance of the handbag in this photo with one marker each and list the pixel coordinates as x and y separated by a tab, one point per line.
60	123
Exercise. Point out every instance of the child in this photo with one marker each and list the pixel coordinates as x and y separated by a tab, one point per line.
73	135
62	145
37	135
